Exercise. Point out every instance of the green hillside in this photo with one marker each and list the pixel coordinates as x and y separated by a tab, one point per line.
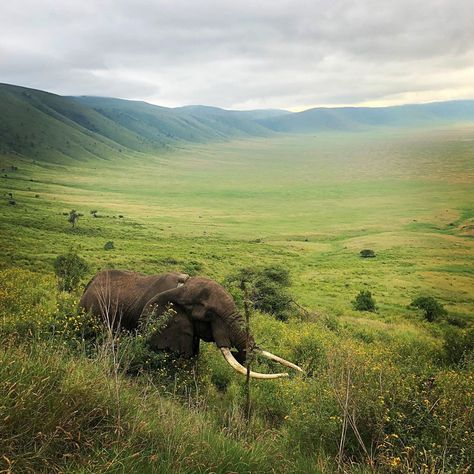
192	124
361	118
47	127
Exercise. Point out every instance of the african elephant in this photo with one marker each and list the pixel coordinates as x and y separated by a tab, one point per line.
203	309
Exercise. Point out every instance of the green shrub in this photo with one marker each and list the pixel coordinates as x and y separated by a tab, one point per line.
70	269
431	308
457	321
458	344
364	302
268	289
109	245
367	253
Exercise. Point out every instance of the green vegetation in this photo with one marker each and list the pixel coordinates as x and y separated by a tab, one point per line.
431	308
70	269
267	289
109	245
367	253
364	302
385	391
73	217
48	127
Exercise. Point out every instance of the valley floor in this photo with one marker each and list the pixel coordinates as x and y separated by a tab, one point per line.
309	204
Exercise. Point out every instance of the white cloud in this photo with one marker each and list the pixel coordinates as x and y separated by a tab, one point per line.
279	53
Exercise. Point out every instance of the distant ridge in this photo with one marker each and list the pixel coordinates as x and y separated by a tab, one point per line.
356	118
48	127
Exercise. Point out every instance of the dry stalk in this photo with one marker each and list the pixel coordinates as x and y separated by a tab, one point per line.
345	402
249	351
111	317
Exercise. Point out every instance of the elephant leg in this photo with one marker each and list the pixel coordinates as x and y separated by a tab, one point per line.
196	342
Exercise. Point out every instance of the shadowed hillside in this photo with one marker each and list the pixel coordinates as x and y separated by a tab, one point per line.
48	127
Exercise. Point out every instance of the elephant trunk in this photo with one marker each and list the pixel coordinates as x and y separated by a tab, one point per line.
238	331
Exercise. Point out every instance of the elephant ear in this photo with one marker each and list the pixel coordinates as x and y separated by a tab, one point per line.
175	332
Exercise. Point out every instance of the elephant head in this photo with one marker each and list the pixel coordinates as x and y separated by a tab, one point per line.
203	309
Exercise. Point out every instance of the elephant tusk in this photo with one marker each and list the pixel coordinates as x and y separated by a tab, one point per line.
242	370
282	361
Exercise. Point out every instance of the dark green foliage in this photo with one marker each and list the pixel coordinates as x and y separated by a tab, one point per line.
109	245
192	268
268	289
458	344
367	253
431	308
457	321
364	302
70	269
277	274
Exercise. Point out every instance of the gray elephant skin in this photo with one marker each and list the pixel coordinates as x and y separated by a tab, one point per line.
202	310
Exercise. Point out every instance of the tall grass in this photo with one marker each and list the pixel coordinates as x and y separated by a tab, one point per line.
69	402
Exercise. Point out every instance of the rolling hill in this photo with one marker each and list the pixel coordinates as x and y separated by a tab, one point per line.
48	127
358	118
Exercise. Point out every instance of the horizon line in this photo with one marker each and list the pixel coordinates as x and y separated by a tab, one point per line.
291	110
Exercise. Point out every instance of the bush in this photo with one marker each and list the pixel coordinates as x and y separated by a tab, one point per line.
267	289
109	245
432	310
367	253
364	302
458	344
457	321
70	269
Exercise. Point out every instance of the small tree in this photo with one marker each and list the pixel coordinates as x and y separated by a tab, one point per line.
364	302
267	289
367	253
70	269
431	308
73	217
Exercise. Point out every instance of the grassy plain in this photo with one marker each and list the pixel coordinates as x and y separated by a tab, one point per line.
309	203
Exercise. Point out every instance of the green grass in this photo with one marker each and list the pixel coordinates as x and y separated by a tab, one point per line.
308	203
311	203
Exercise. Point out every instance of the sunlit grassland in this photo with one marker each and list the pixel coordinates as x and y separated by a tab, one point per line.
308	202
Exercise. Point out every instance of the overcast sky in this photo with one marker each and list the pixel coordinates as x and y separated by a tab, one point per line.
242	54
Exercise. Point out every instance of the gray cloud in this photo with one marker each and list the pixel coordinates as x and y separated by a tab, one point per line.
279	53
